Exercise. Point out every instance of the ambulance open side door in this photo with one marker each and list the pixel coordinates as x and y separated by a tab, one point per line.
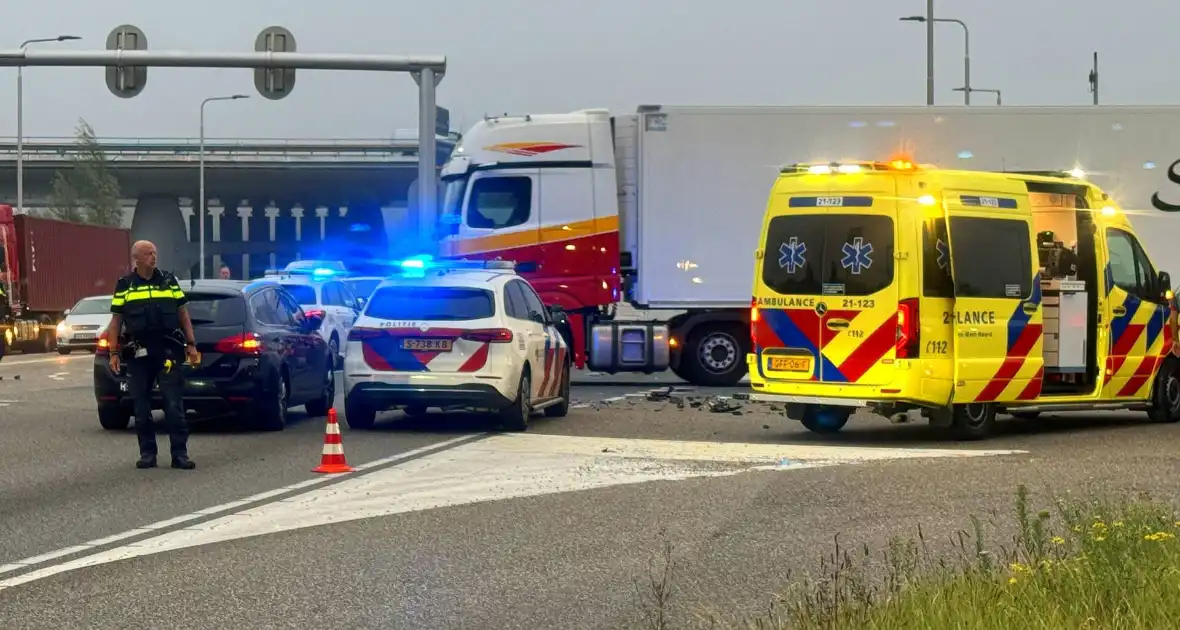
996	316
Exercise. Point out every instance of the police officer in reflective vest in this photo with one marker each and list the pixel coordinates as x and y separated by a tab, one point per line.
149	305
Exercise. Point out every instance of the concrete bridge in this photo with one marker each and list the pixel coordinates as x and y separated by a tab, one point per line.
269	201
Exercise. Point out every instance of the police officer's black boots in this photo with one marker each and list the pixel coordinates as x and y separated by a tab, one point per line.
146	461
183	462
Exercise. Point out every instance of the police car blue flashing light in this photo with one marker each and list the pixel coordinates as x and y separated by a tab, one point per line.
416	266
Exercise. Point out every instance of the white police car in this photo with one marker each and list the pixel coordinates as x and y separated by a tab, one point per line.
456	335
320	289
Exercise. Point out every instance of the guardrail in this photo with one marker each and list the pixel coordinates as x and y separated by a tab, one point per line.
224	150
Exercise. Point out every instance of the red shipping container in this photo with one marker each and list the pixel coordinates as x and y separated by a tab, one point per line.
63	262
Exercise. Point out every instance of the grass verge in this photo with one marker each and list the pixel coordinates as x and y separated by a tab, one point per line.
1084	563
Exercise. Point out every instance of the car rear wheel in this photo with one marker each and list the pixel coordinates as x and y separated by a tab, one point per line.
515	417
114	417
320	406
358	414
272	416
63	351
561	409
1165	394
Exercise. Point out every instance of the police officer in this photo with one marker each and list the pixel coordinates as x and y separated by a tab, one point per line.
149	305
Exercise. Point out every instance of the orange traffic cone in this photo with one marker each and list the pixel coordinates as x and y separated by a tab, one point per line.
332	460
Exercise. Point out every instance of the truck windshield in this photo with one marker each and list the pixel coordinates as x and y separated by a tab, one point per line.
452	207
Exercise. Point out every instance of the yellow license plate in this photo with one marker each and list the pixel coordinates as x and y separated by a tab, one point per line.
790	364
427	345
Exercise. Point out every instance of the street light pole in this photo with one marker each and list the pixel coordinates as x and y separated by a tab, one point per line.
20	119
929	52
201	170
929	21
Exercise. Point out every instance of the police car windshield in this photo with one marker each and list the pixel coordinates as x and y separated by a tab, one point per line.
212	309
362	288
431	303
302	293
92	306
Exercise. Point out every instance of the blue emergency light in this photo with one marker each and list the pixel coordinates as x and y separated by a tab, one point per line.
417	266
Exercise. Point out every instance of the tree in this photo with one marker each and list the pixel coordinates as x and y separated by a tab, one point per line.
89	191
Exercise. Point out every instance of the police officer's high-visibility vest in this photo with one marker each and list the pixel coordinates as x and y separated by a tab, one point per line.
149	307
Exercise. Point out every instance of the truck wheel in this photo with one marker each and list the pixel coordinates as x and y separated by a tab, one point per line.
974	421
114	417
825	420
715	355
1165	394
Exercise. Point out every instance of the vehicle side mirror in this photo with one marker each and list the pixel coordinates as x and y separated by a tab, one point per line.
312	323
360	304
558	315
67	312
1165	281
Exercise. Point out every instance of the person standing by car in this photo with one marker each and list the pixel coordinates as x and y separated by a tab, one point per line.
149	304
224	273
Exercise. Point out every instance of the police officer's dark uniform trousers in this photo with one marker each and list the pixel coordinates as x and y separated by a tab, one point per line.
150	312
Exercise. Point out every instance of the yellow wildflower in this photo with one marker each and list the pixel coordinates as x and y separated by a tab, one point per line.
1057	540
1017	567
1099	525
1118	523
1100	538
1159	536
1011	580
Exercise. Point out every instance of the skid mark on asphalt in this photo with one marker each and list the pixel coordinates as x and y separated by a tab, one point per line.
500	467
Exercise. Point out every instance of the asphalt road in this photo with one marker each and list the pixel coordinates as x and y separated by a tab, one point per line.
445	525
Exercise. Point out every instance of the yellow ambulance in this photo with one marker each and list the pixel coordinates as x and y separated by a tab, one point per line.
954	296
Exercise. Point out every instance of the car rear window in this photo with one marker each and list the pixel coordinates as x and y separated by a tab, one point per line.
431	303
212	309
828	254
362	288
302	293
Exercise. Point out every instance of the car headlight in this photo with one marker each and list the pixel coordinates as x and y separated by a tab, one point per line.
62	328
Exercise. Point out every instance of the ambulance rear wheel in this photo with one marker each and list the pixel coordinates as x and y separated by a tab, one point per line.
974	421
1165	394
825	420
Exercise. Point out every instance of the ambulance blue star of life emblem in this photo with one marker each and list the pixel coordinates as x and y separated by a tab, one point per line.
790	255
943	253
857	256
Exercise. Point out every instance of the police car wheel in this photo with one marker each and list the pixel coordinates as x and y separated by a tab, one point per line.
561	409
974	421
358	414
114	417
515	417
1165	395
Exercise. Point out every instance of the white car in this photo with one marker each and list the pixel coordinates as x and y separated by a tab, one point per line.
321	292
83	324
458	335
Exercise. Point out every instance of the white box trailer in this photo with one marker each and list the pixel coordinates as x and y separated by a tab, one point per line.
693	181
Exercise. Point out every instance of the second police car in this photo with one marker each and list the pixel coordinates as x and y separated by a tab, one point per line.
319	288
457	335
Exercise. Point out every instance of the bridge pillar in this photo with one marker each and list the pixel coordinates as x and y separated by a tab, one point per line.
158	218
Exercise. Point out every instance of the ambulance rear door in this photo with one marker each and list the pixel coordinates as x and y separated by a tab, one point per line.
996	315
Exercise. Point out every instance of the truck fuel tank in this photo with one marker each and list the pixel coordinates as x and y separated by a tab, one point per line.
629	347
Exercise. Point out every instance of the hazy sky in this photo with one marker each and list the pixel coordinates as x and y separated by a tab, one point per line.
537	56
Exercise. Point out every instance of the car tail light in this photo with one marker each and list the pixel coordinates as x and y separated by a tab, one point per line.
908	329
754	320
314	312
247	344
363	334
104	345
488	335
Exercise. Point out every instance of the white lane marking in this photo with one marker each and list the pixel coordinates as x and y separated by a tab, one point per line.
60	376
498	468
9	362
217	509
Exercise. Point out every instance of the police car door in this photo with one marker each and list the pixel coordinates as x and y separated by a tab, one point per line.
996	317
531	330
552	346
